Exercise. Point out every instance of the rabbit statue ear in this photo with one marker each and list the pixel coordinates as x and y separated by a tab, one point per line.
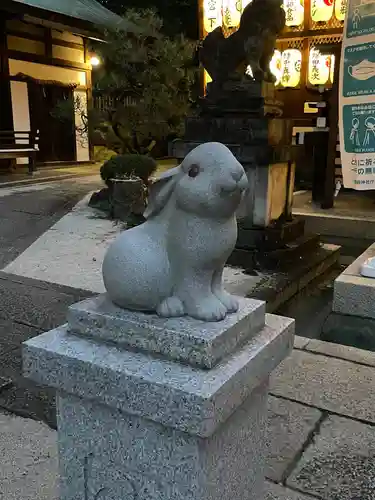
161	190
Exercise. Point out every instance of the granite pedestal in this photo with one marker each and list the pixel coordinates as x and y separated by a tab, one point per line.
352	320
152	408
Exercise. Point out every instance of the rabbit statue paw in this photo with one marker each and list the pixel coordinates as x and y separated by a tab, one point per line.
172	307
205	308
229	301
172	264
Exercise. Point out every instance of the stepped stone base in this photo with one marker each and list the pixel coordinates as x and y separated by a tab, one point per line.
277	284
160	409
352	321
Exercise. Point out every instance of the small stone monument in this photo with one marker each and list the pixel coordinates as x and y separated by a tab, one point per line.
166	406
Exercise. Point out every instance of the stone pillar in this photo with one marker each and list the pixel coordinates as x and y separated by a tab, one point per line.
160	409
246	117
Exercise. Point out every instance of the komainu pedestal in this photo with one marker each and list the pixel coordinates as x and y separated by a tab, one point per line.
160	409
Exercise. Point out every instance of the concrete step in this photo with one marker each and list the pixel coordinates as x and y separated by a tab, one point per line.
277	287
354	228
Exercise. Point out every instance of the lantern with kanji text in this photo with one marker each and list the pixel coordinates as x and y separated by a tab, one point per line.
321	10
212	17
291	68
319	67
232	10
294	12
340	9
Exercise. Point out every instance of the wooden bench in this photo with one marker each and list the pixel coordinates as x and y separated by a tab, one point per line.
15	145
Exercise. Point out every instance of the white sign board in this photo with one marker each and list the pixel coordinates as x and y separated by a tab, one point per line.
357	96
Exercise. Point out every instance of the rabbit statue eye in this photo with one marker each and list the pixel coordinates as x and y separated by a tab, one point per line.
194	170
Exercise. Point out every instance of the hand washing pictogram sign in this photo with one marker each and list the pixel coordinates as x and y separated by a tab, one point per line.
357	96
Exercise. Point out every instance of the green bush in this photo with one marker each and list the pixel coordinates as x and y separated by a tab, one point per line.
130	165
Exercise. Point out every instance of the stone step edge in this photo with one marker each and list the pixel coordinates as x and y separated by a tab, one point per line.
181	339
178	396
339	351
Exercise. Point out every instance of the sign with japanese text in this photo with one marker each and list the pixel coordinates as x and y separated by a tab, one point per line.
357	96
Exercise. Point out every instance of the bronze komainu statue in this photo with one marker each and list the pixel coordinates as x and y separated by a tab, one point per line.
251	45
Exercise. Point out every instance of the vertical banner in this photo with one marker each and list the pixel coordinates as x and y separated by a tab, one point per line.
357	96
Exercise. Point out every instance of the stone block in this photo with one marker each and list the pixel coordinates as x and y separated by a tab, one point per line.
300	342
28	460
327	383
193	342
135	424
289	427
339	463
355	267
349	330
278	492
128	197
342	351
192	400
354	295
106	454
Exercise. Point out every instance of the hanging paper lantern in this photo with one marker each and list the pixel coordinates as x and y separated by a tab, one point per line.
276	66
232	10
319	67
206	78
340	9
321	10
294	12
291	68
245	3
212	17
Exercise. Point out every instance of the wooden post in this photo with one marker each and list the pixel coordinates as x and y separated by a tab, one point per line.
90	101
6	115
333	108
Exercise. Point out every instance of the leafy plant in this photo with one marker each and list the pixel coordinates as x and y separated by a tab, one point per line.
128	166
143	88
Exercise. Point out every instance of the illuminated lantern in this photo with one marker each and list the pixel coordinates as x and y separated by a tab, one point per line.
319	67
276	66
232	10
212	17
294	12
332	69
291	68
245	3
206	79
340	9
321	10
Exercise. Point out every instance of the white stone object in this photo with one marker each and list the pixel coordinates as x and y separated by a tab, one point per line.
138	424
173	263
368	268
354	289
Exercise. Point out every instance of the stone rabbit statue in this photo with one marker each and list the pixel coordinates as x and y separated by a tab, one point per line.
173	263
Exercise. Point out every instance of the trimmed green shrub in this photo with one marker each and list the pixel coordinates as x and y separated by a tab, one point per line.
127	166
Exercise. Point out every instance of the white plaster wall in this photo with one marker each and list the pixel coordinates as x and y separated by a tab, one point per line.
68	54
24	45
20	100
20	108
82	141
45	72
67	37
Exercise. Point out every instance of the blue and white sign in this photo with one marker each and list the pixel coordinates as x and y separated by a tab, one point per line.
361	18
357	96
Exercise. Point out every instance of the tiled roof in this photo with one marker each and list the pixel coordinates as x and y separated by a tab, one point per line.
85	10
